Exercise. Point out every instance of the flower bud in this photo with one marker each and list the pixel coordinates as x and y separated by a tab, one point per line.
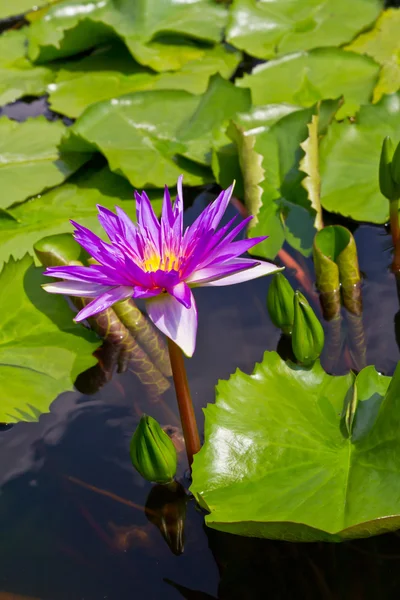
280	303
152	452
388	170
307	335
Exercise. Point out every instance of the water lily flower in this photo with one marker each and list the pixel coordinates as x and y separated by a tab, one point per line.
158	261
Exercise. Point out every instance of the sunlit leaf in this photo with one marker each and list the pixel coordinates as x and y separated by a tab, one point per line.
349	161
19	7
296	454
18	77
29	159
42	350
111	72
269	28
157	34
49	214
382	43
153	137
309	164
305	78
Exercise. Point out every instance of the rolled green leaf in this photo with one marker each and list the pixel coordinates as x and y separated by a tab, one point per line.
280	303
62	250
152	452
145	334
337	271
307	335
388	171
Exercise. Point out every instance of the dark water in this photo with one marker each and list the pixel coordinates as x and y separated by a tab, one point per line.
64	541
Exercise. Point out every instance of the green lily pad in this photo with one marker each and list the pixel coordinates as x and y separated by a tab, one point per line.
19	7
270	28
349	162
382	43
305	78
111	72
50	213
152	137
42	350
296	454
18	77
157	35
29	159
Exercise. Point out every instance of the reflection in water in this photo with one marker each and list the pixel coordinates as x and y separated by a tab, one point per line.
65	541
166	509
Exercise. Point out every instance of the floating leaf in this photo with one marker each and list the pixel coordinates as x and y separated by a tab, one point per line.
382	43
269	28
305	78
29	159
19	7
149	136
337	271
111	72
309	164
18	77
157	35
49	214
349	162
42	350
296	454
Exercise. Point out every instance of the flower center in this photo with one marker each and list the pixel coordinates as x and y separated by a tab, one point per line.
154	262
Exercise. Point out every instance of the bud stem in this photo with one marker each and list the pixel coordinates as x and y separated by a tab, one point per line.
394	221
185	404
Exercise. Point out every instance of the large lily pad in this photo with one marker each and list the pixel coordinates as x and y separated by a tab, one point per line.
42	350
150	136
19	7
72	26
18	77
270	28
50	213
349	161
305	78
382	43
297	454
29	159
111	72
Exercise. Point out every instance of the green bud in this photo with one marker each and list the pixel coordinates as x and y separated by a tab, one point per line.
280	303
307	336
395	168
387	184
152	452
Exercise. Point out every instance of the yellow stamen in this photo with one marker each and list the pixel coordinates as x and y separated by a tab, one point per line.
154	262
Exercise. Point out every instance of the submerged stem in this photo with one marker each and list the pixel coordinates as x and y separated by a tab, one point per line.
185	404
394	221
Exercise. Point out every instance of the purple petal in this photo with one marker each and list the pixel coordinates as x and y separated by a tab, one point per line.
75	288
182	293
176	321
109	222
260	269
122	292
167	216
128	228
211	273
221	204
146	217
94	274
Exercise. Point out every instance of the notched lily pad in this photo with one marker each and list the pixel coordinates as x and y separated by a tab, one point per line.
42	350
297	454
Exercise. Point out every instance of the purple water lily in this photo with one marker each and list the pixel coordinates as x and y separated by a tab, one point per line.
156	260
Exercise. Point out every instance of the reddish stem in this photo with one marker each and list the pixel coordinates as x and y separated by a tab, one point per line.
185	404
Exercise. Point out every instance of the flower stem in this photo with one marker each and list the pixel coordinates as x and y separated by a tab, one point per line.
185	404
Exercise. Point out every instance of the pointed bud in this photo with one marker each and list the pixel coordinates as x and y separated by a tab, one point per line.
387	184
152	452
280	303
308	335
396	167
